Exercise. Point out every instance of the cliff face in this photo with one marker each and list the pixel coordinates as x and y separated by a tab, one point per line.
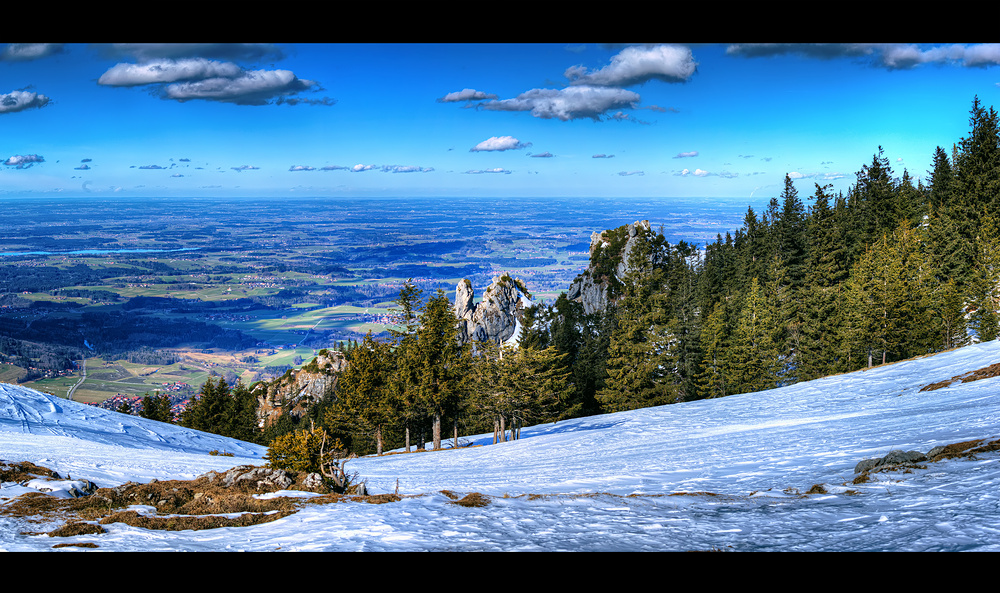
298	389
498	317
609	255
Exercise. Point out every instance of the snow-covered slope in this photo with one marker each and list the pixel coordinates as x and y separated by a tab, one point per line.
749	456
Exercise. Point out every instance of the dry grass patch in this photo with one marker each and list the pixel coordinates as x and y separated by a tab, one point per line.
984	373
473	499
24	470
77	528
192	523
963	450
79	545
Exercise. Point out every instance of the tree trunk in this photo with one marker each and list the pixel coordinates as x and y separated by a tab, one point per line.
407	438
436	428
455	427
503	429
496	429
378	441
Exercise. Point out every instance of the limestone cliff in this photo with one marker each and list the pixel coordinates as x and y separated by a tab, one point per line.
498	317
597	286
298	390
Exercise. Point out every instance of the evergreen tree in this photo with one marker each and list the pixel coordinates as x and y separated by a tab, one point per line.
754	358
241	415
439	363
157	407
207	411
790	235
826	270
942	182
712	381
978	165
640	365
985	284
366	403
514	386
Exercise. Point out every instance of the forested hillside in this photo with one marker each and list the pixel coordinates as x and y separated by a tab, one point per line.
810	287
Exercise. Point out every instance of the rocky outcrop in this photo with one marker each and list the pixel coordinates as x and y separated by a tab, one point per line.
609	255
498	317
298	390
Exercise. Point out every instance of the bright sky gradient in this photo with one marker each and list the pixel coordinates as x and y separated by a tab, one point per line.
534	120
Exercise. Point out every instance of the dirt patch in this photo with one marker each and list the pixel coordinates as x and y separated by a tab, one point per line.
984	373
79	545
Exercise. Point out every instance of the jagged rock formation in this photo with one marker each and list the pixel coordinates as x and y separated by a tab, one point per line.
298	390
609	255
498	317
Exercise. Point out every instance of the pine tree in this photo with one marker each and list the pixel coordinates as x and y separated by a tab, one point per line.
366	403
438	363
712	380
985	284
754	359
157	407
826	270
207	412
640	366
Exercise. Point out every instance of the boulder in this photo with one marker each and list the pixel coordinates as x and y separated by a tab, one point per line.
895	458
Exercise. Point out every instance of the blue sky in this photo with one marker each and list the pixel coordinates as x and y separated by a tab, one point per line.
532	120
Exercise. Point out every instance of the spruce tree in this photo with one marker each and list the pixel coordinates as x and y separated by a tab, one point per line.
366	403
640	365
712	380
985	285
438	363
754	358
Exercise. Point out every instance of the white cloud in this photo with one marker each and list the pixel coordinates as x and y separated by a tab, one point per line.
21	100
245	168
894	56
406	169
682	155
573	102
639	64
145	52
29	51
494	170
167	71
359	167
466	95
301	168
499	143
23	161
257	87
